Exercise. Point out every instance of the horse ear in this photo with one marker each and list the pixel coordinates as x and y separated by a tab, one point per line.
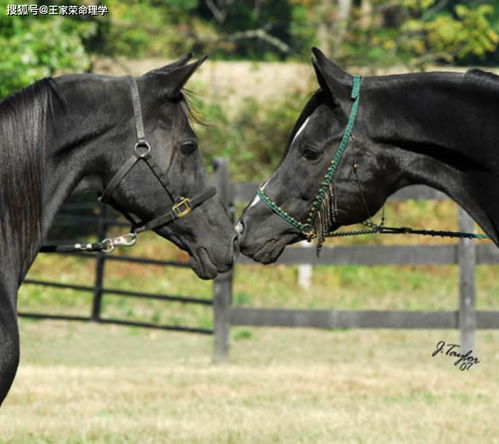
330	76
171	66
181	61
174	76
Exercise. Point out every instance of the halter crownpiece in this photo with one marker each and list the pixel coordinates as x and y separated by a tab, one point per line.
320	213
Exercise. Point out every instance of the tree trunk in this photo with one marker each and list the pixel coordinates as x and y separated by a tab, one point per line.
324	29
366	11
333	22
344	7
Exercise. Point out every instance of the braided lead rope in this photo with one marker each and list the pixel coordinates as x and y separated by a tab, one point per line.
382	229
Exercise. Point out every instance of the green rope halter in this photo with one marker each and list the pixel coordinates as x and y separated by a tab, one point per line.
307	228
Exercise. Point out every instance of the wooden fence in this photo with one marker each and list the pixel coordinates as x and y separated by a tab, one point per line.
104	220
466	254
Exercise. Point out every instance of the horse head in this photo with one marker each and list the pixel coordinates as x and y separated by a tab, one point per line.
319	185
153	171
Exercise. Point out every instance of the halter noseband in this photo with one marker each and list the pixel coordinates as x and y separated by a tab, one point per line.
181	206
308	228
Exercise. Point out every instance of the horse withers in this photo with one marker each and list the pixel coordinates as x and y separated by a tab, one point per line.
130	140
358	140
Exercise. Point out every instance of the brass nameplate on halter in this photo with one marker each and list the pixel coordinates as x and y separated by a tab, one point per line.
182	207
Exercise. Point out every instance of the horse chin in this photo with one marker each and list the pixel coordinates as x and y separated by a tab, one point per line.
199	258
202	264
269	251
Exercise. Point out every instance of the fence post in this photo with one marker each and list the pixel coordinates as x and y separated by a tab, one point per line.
467	263
305	270
99	267
222	286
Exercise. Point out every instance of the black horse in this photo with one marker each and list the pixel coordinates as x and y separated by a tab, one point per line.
127	138
357	141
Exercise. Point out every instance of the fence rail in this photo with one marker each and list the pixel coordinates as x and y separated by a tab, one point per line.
99	290
357	319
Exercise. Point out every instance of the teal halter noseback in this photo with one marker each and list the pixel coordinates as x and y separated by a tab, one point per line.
307	228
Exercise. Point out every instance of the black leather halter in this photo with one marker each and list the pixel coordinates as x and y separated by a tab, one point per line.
181	206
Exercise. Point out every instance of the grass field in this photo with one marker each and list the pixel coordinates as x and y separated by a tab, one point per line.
88	383
102	384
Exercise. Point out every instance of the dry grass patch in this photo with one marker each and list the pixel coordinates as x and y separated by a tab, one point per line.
281	386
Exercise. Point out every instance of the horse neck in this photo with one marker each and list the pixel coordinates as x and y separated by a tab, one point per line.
445	125
70	127
89	114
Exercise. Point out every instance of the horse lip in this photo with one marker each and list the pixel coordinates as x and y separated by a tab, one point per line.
203	265
267	252
252	249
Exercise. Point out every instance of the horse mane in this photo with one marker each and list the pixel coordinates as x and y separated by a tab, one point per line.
482	77
23	118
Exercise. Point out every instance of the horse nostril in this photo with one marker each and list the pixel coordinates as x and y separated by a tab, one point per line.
239	227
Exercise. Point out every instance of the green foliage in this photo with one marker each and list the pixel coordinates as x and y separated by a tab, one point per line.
247	29
151	28
453	36
414	32
36	47
303	34
254	139
271	18
419	32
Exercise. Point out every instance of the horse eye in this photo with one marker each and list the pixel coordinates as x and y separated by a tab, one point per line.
188	147
311	154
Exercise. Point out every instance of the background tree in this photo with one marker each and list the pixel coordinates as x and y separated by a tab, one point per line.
36	47
422	32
